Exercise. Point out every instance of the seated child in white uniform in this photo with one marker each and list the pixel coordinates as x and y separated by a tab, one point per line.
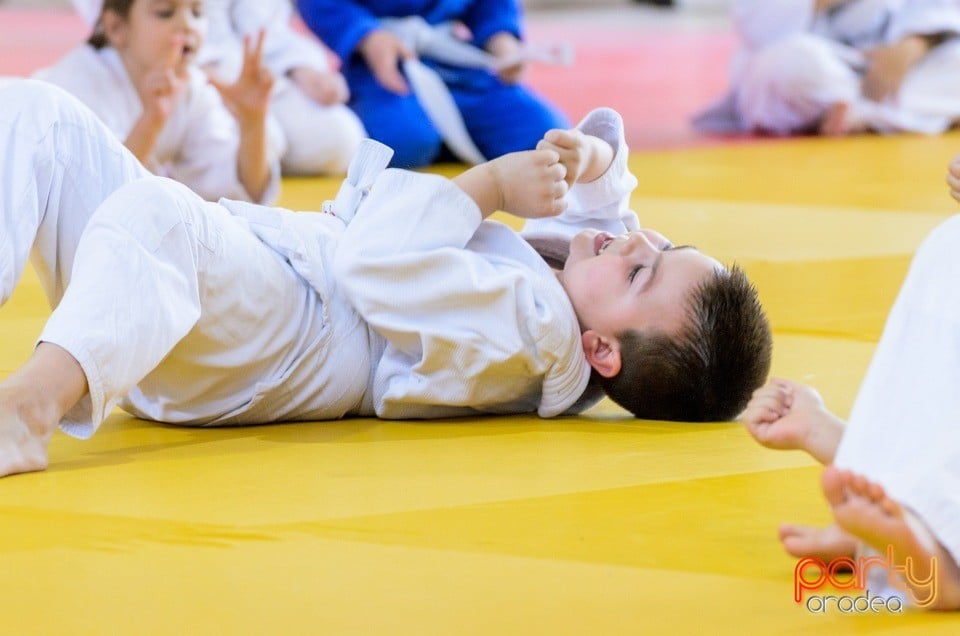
309	99
892	472
138	73
398	300
842	66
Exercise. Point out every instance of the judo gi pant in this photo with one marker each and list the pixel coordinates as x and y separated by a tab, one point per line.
904	430
788	86
160	296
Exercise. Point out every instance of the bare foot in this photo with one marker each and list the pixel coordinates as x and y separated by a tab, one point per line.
835	121
32	401
24	435
863	509
824	543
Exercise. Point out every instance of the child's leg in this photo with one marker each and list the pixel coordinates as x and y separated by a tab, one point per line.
504	118
320	139
792	86
903	433
32	401
59	163
132	298
862	508
183	312
398	121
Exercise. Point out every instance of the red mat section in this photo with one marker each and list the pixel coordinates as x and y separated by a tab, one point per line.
33	39
656	79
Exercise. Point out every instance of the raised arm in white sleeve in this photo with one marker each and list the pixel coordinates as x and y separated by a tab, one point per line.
474	320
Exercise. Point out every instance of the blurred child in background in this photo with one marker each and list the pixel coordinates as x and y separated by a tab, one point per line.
837	67
138	72
309	96
500	114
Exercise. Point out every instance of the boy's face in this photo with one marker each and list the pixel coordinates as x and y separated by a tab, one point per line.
636	281
157	30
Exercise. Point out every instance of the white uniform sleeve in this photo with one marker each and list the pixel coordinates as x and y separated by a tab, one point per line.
602	204
210	146
284	47
467	332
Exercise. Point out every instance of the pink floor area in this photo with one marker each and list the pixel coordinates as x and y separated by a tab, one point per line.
33	39
657	75
656	78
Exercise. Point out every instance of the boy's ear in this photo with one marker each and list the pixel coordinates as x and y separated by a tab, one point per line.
603	353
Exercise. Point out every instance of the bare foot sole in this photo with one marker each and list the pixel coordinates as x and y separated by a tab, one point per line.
863	509
824	543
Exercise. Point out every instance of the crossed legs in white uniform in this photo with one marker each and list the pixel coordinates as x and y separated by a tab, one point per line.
807	83
166	298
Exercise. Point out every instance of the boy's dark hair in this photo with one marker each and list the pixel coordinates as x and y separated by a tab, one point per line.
98	39
709	370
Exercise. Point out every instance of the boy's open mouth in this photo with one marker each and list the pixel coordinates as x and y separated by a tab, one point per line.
601	243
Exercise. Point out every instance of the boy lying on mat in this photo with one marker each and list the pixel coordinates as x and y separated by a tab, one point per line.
398	300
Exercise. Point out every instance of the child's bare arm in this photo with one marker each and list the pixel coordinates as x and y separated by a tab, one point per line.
159	90
248	100
953	178
784	415
505	46
526	184
585	157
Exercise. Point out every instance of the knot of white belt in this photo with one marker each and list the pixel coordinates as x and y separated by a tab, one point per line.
371	159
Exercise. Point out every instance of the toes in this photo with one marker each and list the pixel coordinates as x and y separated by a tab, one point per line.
833	481
890	507
857	484
875	492
786	530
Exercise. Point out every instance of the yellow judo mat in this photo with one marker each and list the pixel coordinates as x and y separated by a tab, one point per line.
504	525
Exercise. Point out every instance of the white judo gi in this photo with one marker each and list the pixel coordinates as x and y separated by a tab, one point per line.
200	142
185	313
794	64
319	139
904	430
